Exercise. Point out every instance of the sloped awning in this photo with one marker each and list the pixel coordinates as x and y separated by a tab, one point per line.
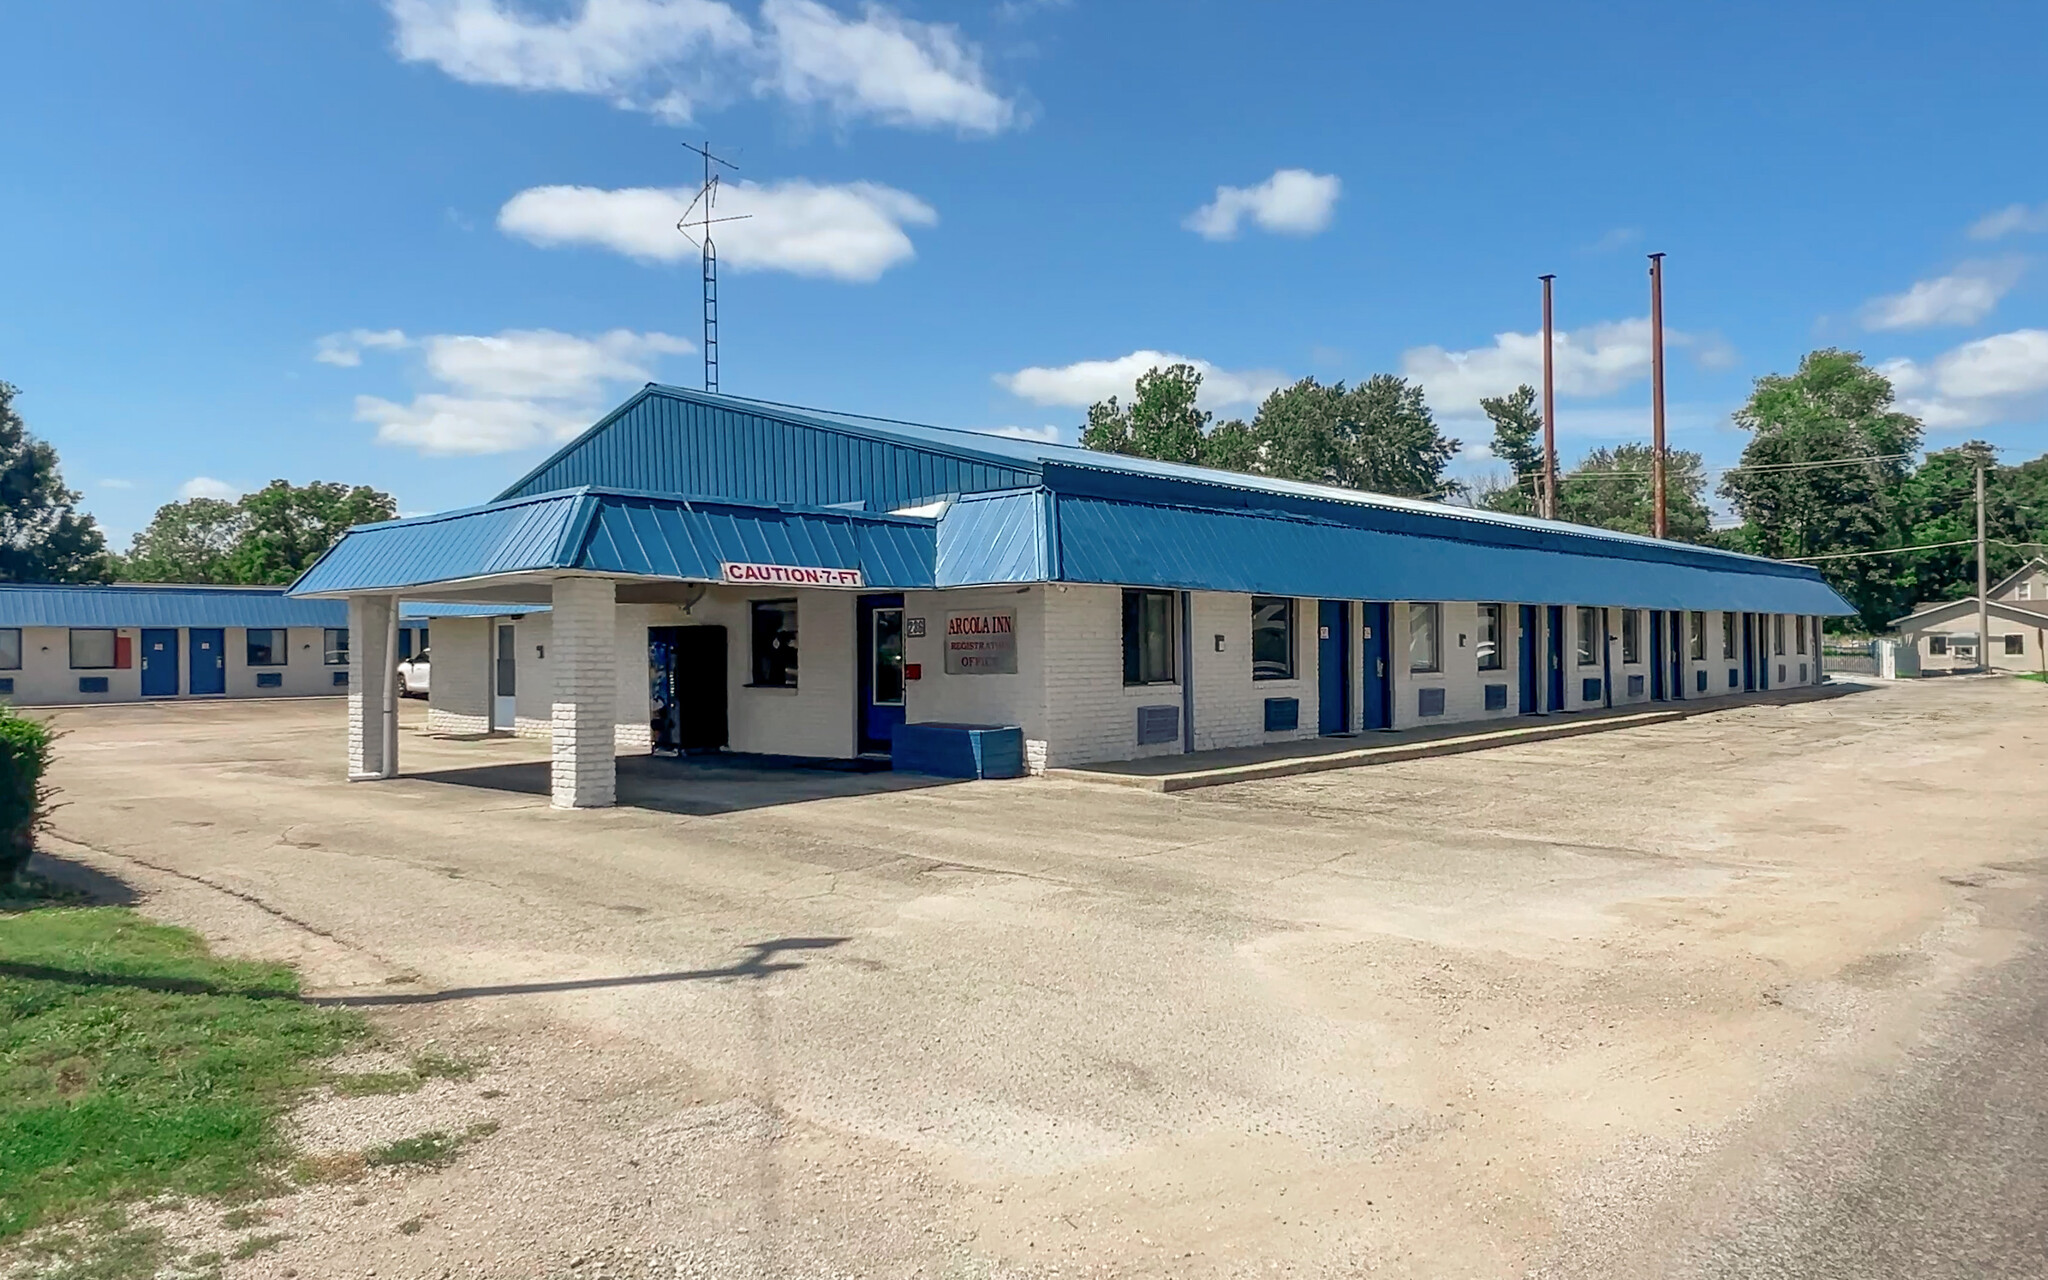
618	534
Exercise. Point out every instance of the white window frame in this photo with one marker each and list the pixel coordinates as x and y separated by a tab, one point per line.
1432	615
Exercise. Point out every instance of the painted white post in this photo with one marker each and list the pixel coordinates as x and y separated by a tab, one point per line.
585	668
369	671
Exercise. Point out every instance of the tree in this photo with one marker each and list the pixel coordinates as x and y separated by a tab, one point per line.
43	537
186	542
1378	436
1612	489
1835	407
289	526
1938	503
1162	421
1518	442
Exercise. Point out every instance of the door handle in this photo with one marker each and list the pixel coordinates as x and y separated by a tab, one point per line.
1379	666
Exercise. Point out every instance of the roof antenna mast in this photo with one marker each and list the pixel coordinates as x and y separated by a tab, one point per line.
707	196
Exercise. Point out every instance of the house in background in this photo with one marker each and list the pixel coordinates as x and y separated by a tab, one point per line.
63	644
1946	634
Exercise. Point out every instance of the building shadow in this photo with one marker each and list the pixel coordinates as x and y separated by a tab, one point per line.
702	786
760	962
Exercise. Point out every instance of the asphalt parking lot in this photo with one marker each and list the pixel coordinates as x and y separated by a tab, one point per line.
1509	1012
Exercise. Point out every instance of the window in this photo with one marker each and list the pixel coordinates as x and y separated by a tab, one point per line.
404	643
1799	633
10	648
1272	638
1149	644
1425	649
1489	645
268	648
888	657
335	647
2015	644
1778	634
1592	632
1728	635
1937	645
2026	588
1631	635
1699	636
774	639
92	647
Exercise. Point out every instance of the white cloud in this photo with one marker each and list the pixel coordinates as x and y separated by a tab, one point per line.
1292	202
346	349
1988	380
665	57
1086	381
208	487
2006	221
852	231
117	484
1962	297
882	66
1048	434
515	389
1597	360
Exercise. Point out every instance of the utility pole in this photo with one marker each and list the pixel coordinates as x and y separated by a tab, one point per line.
1657	520
1546	505
707	196
1983	604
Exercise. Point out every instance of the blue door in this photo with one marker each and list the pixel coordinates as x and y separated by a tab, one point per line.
1748	652
1675	682
1657	655
1333	666
1526	654
1556	664
207	657
881	672
1372	648
159	662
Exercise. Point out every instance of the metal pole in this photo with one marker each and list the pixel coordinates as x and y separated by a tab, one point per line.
389	766
1547	500
1983	606
1657	521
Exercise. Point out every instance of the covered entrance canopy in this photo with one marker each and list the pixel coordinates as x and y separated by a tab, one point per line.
583	552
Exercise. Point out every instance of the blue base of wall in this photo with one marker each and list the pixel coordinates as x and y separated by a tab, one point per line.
958	750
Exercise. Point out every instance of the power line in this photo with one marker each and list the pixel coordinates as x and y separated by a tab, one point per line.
1897	551
1760	466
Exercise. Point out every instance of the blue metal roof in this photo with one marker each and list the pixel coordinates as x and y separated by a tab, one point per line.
995	537
606	531
166	605
1137	544
671	441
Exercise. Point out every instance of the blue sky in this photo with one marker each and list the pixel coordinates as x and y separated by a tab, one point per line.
413	244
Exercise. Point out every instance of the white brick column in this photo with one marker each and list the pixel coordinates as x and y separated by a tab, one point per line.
369	667
584	660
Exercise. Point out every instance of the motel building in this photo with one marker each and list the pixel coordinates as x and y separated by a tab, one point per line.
699	572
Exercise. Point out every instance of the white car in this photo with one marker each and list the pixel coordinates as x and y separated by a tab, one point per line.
414	674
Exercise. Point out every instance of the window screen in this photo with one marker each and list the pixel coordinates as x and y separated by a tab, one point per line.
1592	634
774	644
267	648
1727	635
1699	635
334	648
1778	634
1272	638
1425	636
1631	635
1149	644
10	648
1489	643
92	647
1937	644
2013	644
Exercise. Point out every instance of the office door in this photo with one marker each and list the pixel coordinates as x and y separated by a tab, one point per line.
1377	679
505	678
881	672
207	659
1525	656
159	662
1333	666
686	688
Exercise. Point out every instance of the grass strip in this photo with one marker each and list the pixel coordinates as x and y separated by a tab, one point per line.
134	1063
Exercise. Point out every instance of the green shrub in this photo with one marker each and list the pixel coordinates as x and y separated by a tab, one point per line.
24	754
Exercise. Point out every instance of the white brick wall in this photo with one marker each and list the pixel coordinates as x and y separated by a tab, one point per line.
584	655
1459	676
935	697
1090	714
458	689
1230	706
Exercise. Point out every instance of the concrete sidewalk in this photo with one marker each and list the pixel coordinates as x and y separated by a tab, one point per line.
1316	755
